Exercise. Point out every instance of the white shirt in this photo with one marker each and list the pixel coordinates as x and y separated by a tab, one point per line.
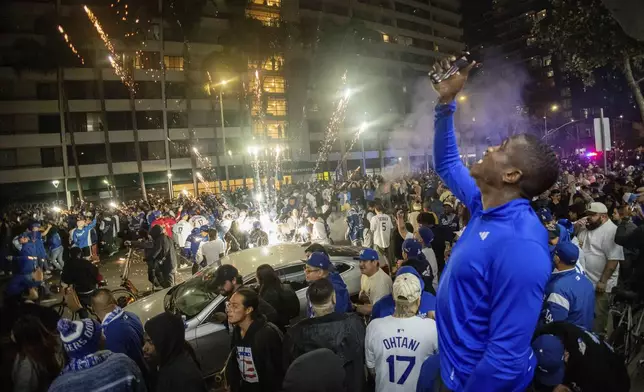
599	246
212	250
198	221
396	349
181	231
318	234
433	264
381	226
376	286
310	200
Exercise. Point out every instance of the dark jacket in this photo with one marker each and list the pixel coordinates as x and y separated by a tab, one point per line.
124	334
256	361
278	298
316	371
163	253
631	237
82	274
341	333
592	365
177	367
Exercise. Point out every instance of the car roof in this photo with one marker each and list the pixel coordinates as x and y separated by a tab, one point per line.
247	261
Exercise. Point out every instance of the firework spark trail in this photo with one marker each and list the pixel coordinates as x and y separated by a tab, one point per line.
356	137
332	130
70	44
116	63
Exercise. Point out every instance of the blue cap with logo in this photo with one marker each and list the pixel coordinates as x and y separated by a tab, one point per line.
412	247
426	234
367	254
319	260
33	225
567	252
204	228
549	351
545	215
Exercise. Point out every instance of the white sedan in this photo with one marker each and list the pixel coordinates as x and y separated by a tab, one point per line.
197	300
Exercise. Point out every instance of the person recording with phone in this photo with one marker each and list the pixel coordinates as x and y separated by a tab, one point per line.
484	333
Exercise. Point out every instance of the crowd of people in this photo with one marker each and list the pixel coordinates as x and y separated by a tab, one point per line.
493	278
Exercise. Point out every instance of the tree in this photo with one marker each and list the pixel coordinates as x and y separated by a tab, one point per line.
588	39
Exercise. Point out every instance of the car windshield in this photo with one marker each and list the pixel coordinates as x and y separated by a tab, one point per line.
196	293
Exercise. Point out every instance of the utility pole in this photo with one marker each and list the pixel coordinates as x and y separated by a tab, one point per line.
601	127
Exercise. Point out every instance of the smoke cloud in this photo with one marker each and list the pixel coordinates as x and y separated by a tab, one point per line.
490	109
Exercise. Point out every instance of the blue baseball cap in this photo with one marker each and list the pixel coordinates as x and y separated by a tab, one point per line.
367	254
549	351
545	215
568	252
34	224
412	247
319	260
196	230
204	228
426	234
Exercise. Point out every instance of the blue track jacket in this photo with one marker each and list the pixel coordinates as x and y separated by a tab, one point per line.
492	288
570	297
81	238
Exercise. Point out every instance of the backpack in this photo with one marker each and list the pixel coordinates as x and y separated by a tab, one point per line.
290	301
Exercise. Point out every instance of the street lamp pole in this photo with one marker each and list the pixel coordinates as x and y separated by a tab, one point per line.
56	183
223	131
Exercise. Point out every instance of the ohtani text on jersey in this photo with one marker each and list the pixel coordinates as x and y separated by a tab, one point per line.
400	342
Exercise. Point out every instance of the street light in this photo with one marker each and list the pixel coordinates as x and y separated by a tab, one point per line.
109	189
553	108
363	127
55	183
223	126
462	98
230	153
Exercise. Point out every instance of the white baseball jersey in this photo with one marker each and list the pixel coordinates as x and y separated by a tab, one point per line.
181	231
198	221
381	226
396	349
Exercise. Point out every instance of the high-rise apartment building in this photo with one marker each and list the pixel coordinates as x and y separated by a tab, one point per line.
182	134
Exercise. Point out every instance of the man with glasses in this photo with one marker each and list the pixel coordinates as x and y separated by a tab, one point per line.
227	281
318	266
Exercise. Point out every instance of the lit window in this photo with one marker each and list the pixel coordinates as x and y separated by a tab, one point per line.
550	73
173	63
273	63
276	106
269	3
255	108
531	41
272	129
585	112
274	84
266	17
385	37
547	61
147	60
540	15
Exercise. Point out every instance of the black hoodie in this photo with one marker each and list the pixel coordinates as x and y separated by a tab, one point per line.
177	368
316	371
256	361
163	254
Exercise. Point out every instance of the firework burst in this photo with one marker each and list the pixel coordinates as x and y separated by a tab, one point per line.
70	44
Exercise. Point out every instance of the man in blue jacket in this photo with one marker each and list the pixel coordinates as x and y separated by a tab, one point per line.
80	237
492	288
386	305
318	266
570	295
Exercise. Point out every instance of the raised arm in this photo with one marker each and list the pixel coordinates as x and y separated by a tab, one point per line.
447	161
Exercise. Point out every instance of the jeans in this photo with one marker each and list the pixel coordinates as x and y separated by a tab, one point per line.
56	258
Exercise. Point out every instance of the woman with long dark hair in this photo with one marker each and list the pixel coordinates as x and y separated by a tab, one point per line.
39	358
280	296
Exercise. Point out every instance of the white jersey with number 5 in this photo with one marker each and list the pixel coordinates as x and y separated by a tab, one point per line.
380	226
396	349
